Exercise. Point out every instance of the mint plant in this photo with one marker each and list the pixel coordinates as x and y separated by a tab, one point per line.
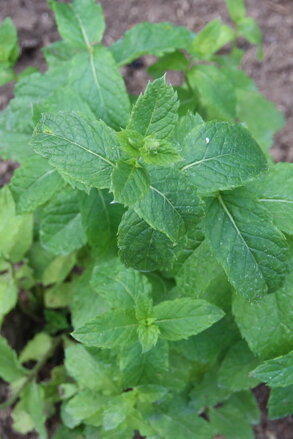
149	237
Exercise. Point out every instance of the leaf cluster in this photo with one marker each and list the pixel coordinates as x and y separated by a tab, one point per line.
149	236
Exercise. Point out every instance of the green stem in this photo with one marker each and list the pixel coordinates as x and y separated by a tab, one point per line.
32	374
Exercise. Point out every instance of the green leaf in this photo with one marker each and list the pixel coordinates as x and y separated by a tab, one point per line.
100	219
144	248
267	337
281	402
230	422
14	145
9	48
61	230
81	22
82	150
181	318
171	205
87	369
276	372
85	304
6	73
96	77
129	182
236	9
15	230
83	405
65	100
274	192
109	330
234	372
180	423
36	348
10	367
194	277
58	269
260	115
34	183
221	156
171	61
144	368
8	294
150	38
155	111
58	296
211	38
148	336
246	403
34	404
248	28
238	229
216	94
119	286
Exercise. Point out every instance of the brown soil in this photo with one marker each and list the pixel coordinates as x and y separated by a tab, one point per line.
274	77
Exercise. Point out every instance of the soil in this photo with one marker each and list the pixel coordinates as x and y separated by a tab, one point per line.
274	78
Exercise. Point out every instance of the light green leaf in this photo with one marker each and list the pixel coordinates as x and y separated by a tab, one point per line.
234	372
14	145
83	405
22	421
155	111
236	9
34	404
183	127
171	205
81	22
10	367
58	296
171	61
181	318
220	156
211	38
274	191
36	348
57	269
267	337
6	73
8	294
150	38
238	229
61	230
15	230
216	94
34	183
157	152
85	304
248	28
129	182
9	48
109	330
260	115
96	77
87	369
118	285
148	336
277	372
281	402
78	148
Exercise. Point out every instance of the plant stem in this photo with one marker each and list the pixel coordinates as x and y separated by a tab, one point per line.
33	373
